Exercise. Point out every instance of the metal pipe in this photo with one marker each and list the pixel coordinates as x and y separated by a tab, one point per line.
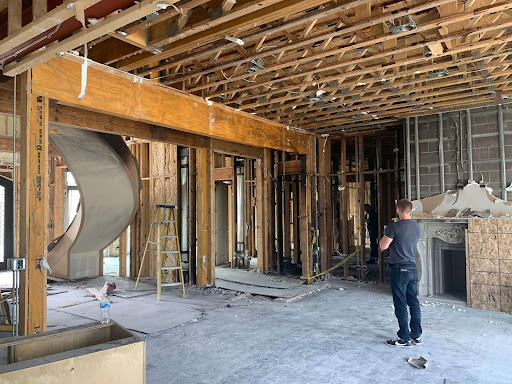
184	185
441	152
503	170
14	321
240	210
408	154
469	144
417	157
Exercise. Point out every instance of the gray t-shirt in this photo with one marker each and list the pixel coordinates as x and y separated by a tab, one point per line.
405	235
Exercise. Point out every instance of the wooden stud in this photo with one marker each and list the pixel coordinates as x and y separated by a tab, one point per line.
287	231
205	218
34	209
14	14
361	198
260	208
122	254
379	202
192	213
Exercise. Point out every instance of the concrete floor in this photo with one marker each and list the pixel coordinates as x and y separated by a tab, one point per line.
333	336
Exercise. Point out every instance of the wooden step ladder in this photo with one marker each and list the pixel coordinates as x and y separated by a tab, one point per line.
165	224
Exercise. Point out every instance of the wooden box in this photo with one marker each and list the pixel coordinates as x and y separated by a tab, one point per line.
93	353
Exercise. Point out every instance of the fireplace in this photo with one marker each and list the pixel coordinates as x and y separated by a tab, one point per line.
441	258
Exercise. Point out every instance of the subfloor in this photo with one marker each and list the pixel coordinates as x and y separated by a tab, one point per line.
334	335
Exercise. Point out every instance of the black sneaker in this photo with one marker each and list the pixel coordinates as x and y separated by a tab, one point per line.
399	343
416	341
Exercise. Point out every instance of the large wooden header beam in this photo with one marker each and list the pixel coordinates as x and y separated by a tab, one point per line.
121	94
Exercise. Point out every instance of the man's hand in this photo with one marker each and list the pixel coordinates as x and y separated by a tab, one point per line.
385	242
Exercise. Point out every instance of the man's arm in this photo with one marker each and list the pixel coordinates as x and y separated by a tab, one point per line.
385	242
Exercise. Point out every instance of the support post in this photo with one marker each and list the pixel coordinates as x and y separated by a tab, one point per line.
34	209
362	232
295	218
344	203
192	236
286	219
122	255
441	152
408	155
260	217
417	157
469	144
205	204
324	197
378	145
503	168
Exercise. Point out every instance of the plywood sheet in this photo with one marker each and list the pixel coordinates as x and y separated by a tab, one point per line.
506	299
506	279
483	245
504	225
485	297
483	265
489	278
506	266
483	225
505	246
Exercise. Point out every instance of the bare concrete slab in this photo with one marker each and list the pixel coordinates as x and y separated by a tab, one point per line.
259	284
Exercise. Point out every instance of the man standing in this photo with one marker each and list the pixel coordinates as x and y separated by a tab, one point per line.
401	238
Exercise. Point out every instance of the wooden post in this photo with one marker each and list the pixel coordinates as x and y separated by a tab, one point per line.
379	202
344	203
192	239
205	264
271	211
295	218
14	16
305	218
260	216
232	223
362	224
325	203
122	254
34	209
286	220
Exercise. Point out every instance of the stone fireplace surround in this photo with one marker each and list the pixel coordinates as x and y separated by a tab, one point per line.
451	232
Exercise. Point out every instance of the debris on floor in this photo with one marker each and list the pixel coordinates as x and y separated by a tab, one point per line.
419	362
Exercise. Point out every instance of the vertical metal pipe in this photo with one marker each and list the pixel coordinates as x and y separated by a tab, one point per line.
503	170
417	157
240	210
408	154
469	144
15	277
441	151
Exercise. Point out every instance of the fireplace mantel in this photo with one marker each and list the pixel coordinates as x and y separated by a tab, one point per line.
449	230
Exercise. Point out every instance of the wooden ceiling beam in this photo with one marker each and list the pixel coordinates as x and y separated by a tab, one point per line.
124	95
103	27
259	17
41	24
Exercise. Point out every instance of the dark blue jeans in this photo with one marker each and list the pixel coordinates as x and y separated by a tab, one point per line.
404	286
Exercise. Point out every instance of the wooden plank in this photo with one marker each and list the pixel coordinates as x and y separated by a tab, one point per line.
287	222
295	221
361	200
34	210
132	97
290	167
82	37
122	255
39	8
205	213
325	204
260	202
42	21
191	220
378	145
224	173
267	210
14	14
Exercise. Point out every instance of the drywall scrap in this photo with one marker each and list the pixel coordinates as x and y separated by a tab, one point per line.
472	200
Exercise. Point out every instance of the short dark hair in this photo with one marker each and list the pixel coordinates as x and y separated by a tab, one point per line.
404	206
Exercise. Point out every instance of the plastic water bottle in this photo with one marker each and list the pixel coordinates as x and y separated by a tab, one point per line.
105	310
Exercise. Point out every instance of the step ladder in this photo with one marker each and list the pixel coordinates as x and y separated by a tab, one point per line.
164	227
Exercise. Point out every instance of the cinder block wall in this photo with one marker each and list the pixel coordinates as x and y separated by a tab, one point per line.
485	145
